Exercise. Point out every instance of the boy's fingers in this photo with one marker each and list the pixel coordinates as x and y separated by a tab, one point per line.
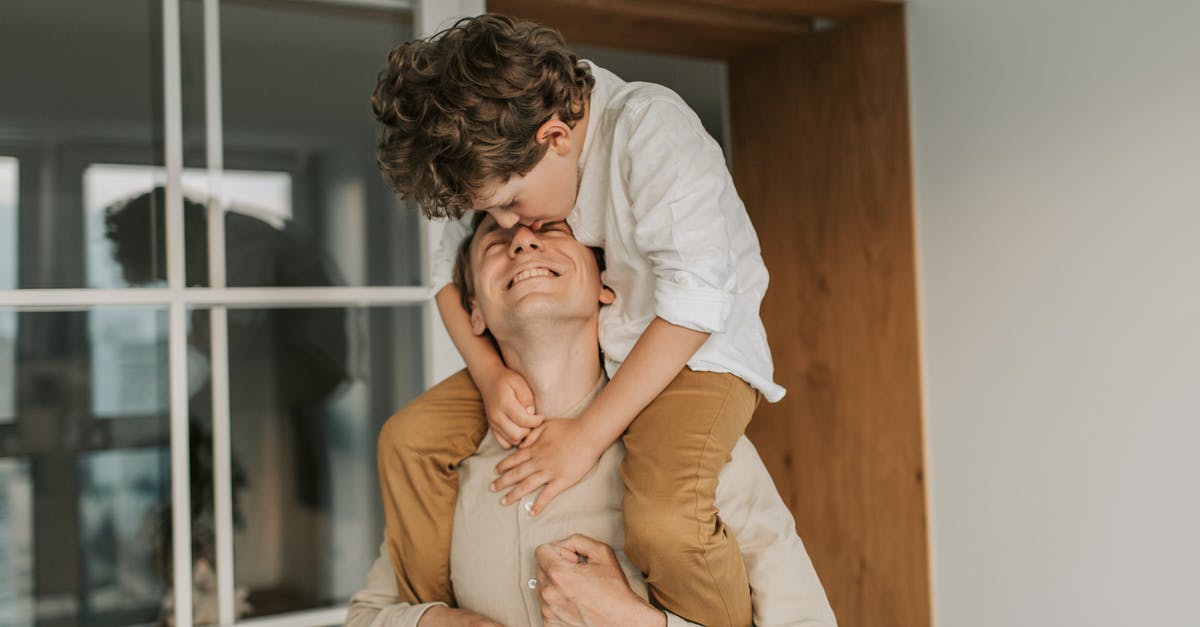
531	483
504	443
553	489
528	421
510	431
512	477
513	460
523	393
533	436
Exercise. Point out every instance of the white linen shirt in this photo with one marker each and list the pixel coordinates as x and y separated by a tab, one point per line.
656	195
492	563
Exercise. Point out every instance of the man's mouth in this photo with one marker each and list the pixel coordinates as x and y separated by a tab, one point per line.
531	273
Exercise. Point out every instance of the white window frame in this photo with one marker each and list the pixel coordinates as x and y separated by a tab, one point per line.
440	356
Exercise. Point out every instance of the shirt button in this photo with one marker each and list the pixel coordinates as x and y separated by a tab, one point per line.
529	506
532	583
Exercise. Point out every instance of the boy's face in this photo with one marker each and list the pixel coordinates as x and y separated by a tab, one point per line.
545	194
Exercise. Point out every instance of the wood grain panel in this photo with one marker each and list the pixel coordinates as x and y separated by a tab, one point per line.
821	156
813	8
672	27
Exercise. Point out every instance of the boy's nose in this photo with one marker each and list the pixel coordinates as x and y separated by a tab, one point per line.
506	219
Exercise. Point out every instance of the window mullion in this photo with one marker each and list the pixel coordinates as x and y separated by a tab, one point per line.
181	519
218	319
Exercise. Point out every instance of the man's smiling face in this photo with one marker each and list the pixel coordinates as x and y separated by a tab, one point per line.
521	275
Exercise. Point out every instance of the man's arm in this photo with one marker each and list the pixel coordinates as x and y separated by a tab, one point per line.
784	586
377	604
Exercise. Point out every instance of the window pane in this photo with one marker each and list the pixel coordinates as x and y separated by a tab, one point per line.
124	511
299	99
82	84
82	496
125	207
16	543
8	281
309	393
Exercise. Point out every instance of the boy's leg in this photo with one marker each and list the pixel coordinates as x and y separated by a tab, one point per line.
419	450
675	449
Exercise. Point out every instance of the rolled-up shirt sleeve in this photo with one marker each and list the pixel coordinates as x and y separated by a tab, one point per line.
453	232
680	193
377	605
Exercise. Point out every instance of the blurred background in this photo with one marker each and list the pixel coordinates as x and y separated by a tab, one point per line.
981	220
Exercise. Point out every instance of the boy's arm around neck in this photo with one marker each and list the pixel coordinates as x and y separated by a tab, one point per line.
660	353
506	395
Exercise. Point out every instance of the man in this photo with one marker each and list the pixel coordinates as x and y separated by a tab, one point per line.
537	293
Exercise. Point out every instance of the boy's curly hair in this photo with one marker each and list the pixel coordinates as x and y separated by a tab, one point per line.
463	107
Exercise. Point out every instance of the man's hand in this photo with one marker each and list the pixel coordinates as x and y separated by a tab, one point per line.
442	616
556	454
508	403
581	584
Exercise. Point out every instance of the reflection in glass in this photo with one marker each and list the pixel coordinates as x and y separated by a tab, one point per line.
299	98
128	348
121	495
8	223
109	110
308	394
16	543
8	281
109	188
78	492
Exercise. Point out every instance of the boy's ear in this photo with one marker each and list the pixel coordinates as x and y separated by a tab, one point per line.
607	296
478	326
557	134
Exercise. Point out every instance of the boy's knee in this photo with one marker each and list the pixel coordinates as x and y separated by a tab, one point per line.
658	528
405	432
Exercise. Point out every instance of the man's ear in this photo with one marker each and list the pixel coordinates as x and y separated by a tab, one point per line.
607	296
556	134
478	326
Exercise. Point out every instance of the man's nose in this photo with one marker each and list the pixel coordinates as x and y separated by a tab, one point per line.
524	240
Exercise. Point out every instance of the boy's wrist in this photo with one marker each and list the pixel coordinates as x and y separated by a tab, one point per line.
486	366
595	433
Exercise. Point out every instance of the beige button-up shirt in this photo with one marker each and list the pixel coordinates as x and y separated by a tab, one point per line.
492	564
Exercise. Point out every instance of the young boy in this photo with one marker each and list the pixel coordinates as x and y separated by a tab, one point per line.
495	115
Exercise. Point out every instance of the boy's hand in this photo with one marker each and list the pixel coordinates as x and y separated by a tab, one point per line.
508	403
556	454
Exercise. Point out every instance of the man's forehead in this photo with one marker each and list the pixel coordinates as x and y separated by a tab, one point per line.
483	226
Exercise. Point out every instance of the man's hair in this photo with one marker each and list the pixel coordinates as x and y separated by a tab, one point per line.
464	106
464	275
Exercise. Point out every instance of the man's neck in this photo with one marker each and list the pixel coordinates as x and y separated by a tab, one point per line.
561	364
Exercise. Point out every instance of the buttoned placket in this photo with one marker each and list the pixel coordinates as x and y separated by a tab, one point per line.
528	542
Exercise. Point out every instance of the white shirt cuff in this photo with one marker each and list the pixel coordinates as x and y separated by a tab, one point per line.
698	308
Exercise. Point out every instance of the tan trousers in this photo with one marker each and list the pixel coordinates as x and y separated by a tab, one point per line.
675	449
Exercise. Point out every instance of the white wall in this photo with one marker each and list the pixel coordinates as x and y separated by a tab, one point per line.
1057	149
